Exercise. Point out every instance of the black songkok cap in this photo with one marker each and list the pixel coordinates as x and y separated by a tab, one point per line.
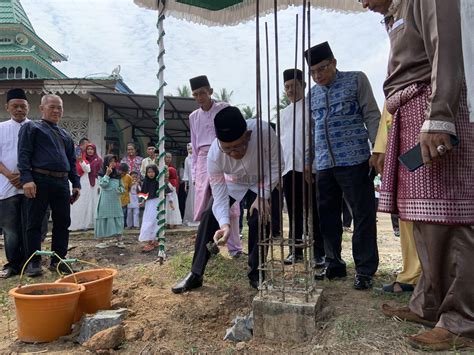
290	74
229	124
16	94
318	53
199	82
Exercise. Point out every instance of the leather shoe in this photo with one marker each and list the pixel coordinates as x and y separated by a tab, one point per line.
253	284
362	282
330	274
404	313
319	262
290	259
439	339
34	269
190	282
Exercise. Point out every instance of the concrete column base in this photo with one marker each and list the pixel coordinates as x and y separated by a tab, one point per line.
291	320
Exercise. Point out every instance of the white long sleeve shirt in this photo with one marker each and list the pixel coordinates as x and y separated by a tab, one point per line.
232	177
9	155
287	132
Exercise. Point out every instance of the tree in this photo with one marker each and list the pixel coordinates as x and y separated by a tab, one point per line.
284	101
248	112
184	91
224	95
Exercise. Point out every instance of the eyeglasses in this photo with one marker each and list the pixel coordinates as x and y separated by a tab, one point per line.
321	69
238	148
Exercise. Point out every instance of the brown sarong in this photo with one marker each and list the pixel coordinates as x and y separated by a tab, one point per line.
442	193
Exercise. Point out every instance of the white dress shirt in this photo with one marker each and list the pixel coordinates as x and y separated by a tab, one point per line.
9	155
288	131
232	177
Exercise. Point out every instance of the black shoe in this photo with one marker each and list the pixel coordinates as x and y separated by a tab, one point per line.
253	284
34	269
290	259
330	274
63	268
190	282
362	282
319	262
7	272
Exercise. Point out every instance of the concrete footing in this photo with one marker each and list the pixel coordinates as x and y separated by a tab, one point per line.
291	320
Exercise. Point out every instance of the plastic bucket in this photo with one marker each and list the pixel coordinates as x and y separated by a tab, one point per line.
45	312
98	290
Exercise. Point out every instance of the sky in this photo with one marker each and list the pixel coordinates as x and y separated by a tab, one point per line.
99	35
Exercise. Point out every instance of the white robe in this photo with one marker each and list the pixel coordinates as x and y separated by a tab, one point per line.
83	210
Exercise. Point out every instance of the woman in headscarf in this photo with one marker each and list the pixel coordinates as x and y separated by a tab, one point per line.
88	165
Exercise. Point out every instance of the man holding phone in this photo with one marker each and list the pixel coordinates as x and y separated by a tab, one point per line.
425	91
46	161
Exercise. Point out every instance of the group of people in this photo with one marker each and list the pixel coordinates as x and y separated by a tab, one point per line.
345	140
426	102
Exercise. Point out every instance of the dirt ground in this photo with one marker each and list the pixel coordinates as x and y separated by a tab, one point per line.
159	321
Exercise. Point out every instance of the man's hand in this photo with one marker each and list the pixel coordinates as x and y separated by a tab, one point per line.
308	174
265	213
30	189
222	235
76	192
14	179
430	142
377	161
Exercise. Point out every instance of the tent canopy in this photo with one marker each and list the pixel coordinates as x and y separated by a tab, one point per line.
232	12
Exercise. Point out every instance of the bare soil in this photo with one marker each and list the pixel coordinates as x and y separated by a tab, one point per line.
160	321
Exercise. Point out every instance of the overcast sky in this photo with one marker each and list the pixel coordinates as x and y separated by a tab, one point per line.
98	35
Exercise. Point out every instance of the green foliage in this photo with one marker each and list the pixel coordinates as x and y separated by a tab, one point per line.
184	91
248	112
224	95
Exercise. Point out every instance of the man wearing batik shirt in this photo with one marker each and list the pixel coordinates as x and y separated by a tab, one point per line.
345	116
426	93
201	124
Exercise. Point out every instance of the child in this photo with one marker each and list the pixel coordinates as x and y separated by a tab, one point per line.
133	208
149	226
127	184
109	216
173	215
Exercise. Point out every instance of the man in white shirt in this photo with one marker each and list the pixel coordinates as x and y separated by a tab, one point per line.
291	136
232	165
12	202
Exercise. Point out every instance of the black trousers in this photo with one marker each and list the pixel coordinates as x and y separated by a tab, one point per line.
12	220
276	209
358	189
347	214
209	226
54	192
296	212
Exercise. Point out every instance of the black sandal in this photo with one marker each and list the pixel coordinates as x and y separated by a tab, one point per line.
405	287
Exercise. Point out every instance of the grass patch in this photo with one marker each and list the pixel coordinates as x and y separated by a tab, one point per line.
347	329
220	270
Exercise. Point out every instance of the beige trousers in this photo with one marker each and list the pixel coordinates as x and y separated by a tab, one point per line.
411	264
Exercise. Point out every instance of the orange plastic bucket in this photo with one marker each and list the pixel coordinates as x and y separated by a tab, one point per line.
98	293
45	312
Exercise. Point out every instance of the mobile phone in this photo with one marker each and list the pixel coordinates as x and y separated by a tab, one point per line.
73	197
413	160
77	151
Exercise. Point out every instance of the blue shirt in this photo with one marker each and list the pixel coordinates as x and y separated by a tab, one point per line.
345	116
40	147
